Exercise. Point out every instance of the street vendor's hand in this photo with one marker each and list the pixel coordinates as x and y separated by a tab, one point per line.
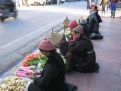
33	75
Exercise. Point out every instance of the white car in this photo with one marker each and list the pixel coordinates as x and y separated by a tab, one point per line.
41	2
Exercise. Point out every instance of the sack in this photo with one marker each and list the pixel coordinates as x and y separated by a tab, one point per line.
56	37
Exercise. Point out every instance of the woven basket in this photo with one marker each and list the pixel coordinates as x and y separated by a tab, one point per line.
56	37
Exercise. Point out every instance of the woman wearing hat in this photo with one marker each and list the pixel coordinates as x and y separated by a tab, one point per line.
81	55
63	45
53	75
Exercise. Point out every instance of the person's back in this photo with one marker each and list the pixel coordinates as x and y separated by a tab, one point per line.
93	23
83	22
52	76
113	6
89	59
58	78
82	55
86	29
98	17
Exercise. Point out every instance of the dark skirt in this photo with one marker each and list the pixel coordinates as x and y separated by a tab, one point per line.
32	87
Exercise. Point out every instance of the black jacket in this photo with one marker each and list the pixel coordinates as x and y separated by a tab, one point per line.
93	25
82	54
53	75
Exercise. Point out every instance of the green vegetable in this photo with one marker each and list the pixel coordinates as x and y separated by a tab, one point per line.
35	62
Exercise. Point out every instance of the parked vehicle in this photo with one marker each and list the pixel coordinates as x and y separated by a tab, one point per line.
37	2
62	1
7	9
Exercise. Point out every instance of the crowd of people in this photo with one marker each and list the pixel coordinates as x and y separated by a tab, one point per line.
76	47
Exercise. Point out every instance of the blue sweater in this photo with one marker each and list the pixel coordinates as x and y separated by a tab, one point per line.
113	6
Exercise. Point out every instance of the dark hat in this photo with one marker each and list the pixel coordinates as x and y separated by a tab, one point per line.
83	21
79	29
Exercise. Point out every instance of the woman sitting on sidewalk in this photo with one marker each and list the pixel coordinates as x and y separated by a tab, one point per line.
53	75
94	26
63	45
52	78
81	55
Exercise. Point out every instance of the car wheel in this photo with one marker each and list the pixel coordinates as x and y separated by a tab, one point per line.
2	19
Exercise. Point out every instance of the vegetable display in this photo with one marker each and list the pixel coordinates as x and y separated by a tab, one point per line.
31	59
14	83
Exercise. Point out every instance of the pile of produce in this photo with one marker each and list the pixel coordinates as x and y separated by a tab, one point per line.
32	63
31	59
67	34
14	83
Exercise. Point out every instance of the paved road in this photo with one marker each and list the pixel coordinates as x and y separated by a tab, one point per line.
30	20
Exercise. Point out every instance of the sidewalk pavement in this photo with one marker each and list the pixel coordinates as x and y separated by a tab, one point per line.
108	55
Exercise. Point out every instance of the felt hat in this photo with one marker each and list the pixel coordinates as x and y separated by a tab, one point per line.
46	45
79	29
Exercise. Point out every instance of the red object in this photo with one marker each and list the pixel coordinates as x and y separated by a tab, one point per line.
29	58
73	24
25	64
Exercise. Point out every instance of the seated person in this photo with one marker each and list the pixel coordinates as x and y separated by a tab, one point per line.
93	23
81	55
63	45
95	10
83	22
93	26
53	75
66	22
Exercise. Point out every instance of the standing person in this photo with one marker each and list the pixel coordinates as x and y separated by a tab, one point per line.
113	8
81	54
53	75
88	4
108	4
103	3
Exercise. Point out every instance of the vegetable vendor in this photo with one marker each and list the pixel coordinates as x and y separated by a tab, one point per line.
63	45
53	75
81	55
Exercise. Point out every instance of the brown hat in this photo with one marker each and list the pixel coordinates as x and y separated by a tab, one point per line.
79	29
46	45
